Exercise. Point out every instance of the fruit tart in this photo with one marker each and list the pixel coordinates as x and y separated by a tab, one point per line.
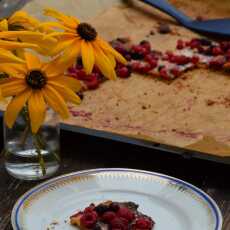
111	215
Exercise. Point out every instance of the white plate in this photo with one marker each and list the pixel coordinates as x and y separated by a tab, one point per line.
172	203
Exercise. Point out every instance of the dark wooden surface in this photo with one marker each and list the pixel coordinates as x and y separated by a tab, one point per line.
84	152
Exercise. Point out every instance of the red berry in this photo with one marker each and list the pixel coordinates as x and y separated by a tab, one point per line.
194	43
89	219
80	74
153	63
126	213
217	62
217	51
164	74
119	223
195	60
108	216
136	65
149	57
90	208
92	82
175	72
182	60
180	45
123	72
146	45
143	223
146	68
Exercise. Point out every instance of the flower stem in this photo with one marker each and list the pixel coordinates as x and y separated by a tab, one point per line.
40	156
25	136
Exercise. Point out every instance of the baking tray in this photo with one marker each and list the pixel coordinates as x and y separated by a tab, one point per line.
86	9
185	153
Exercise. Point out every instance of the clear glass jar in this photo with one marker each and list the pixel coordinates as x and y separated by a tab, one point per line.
32	156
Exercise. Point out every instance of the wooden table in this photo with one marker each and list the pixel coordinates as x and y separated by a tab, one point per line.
84	152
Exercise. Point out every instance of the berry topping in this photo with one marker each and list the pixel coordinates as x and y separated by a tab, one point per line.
107	217
101	209
146	45
143	223
89	219
217	51
92	81
125	213
119	223
114	206
124	72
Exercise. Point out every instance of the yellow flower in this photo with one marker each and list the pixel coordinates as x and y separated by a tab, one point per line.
21	20
82	39
27	39
36	84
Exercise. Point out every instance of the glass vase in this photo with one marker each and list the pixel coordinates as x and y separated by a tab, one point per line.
31	156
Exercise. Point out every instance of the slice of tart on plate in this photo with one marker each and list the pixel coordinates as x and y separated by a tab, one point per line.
111	215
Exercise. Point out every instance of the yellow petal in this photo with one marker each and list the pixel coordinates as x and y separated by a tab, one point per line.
61	45
55	101
15	106
4	25
67	20
32	61
55	25
70	55
13	87
111	59
22	17
65	92
11	45
104	64
37	109
13	69
88	58
105	46
7	56
54	68
69	82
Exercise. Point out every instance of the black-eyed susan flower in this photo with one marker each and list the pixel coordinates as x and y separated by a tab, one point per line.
20	20
37	84
82	39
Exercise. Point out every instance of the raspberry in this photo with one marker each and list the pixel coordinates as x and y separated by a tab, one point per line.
123	72
164	74
107	217
136	65
195	60
145	68
90	208
119	223
217	62
125	213
89	219
153	63
101	208
194	43
180	45
217	51
92	82
146	45
143	223
114	206
80	74
176	72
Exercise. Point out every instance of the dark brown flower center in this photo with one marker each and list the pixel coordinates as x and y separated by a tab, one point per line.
36	79
86	32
